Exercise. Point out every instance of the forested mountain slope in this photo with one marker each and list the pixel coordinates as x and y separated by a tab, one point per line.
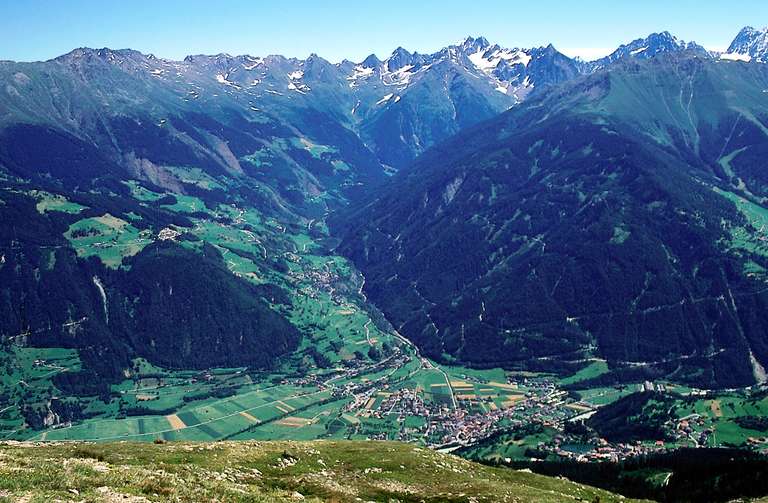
619	216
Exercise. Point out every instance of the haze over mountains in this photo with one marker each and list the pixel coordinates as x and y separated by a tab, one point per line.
602	217
453	88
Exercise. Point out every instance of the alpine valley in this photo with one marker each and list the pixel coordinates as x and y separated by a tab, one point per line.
506	253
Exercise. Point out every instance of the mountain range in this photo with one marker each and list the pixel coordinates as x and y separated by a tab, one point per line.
399	106
609	212
618	217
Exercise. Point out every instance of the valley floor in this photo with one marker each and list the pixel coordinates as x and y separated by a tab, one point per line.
353	377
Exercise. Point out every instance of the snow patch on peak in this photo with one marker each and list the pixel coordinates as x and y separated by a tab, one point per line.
487	60
386	98
255	62
401	77
359	72
224	79
295	83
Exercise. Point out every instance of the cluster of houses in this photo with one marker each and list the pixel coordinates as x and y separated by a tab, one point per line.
599	449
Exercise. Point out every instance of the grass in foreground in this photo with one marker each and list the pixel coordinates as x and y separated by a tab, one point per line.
267	471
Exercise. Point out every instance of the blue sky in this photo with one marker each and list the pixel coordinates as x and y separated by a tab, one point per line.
338	29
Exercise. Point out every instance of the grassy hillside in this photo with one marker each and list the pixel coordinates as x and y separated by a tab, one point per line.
266	471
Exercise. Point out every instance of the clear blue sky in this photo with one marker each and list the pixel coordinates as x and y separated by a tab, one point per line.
338	29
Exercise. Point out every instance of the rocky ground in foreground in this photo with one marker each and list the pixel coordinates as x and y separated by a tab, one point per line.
266	471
